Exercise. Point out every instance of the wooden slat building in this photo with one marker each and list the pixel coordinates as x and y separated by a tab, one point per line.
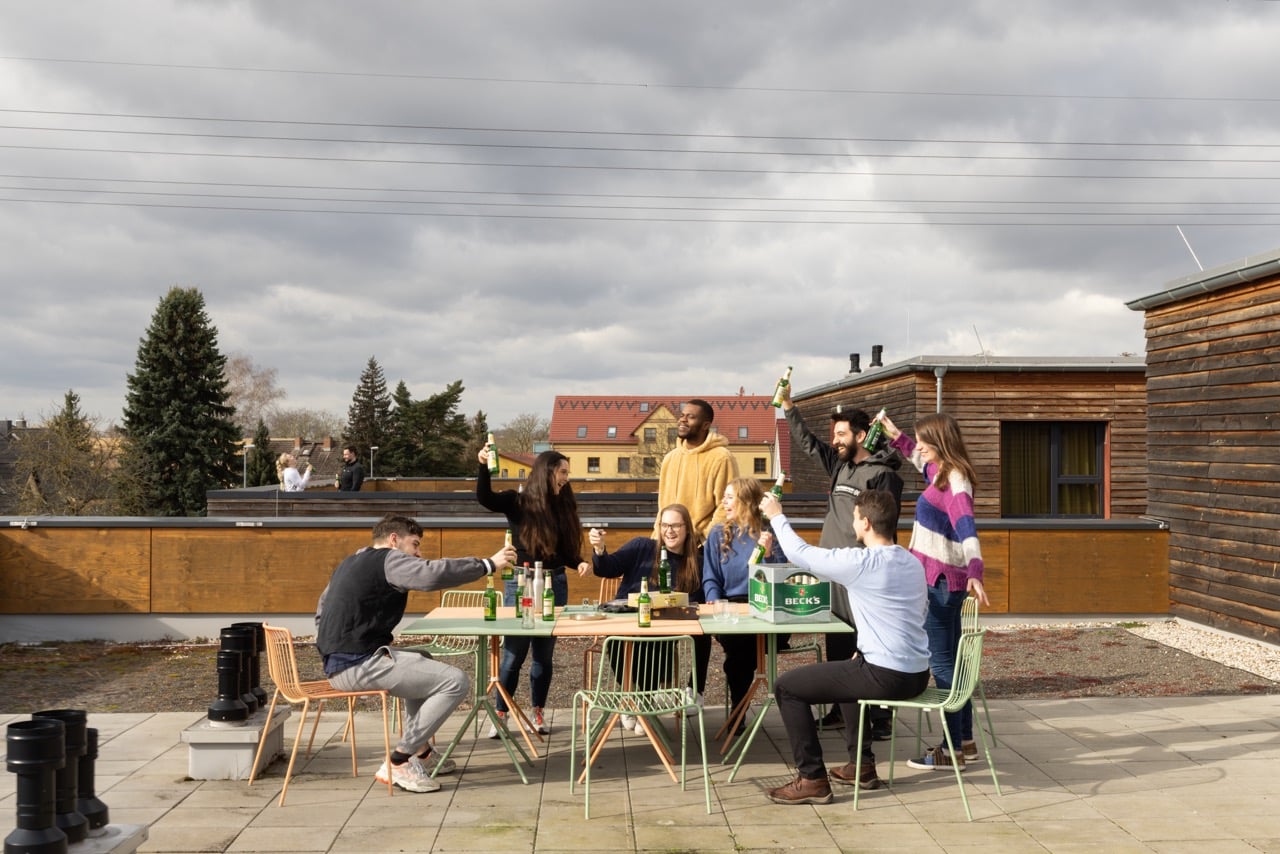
989	396
1213	390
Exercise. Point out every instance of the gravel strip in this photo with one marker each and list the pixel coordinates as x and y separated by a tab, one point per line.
1257	657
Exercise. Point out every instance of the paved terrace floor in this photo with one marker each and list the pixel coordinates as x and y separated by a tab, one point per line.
1107	775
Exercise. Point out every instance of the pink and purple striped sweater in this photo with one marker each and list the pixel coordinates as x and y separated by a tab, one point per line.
945	535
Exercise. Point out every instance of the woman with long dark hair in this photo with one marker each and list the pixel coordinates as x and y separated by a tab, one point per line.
639	558
945	539
544	527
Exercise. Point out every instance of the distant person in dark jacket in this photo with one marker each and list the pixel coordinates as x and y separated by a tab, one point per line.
351	478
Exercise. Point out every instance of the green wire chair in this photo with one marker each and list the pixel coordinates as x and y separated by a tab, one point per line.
969	623
648	683
968	661
443	646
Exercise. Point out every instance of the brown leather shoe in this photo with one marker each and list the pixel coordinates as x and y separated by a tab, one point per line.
802	791
845	774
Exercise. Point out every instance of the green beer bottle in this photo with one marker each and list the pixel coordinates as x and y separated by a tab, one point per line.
783	383
644	607
548	599
493	457
874	434
490	600
665	580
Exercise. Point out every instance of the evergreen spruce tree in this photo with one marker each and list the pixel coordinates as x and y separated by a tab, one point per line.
400	455
369	416
443	433
262	468
180	434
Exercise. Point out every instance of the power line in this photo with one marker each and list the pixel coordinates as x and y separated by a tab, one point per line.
712	87
658	134
658	196
719	170
597	218
1030	158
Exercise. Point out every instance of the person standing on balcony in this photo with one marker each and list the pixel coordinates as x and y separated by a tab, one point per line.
287	473
945	539
696	471
355	618
853	470
544	527
351	478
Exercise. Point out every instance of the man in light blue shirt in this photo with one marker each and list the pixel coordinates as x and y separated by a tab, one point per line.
887	595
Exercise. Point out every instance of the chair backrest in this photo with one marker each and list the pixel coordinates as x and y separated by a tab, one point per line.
282	663
644	675
609	588
462	599
969	621
968	661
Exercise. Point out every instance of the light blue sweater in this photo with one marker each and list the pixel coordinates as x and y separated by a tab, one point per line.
887	595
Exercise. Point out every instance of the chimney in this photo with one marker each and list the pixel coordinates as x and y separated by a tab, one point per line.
20	424
876	350
853	363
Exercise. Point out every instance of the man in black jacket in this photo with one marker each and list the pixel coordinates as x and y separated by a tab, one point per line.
351	477
853	470
355	623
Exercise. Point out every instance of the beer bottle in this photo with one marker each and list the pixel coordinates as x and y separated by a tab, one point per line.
777	484
520	582
665	581
783	382
757	555
874	434
548	599
493	457
644	606
490	600
506	573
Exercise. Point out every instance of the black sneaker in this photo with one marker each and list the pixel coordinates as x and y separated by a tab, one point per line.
833	719
881	731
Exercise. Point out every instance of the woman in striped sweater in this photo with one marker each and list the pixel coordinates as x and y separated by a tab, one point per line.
945	539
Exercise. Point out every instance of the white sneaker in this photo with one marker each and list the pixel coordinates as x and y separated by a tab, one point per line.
640	728
412	776
444	766
493	730
540	723
629	723
695	699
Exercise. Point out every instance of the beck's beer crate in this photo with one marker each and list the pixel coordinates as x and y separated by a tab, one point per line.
786	593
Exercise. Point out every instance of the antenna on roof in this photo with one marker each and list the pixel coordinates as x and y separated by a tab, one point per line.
981	350
1189	249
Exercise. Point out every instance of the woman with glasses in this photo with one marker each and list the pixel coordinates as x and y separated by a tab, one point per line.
639	558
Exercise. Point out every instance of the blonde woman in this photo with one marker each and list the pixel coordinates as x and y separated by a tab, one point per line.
726	572
287	473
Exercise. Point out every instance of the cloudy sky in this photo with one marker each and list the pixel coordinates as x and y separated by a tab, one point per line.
580	196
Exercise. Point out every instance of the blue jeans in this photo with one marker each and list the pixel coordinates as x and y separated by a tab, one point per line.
515	650
942	624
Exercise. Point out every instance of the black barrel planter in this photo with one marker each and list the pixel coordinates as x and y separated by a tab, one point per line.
35	750
255	665
67	780
93	809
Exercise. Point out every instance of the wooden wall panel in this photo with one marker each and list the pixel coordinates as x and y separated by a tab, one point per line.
78	571
1112	572
246	570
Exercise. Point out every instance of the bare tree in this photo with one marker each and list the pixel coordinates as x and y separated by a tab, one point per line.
654	442
252	390
66	467
304	423
519	434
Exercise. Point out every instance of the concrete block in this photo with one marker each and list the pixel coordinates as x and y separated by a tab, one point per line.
217	752
115	839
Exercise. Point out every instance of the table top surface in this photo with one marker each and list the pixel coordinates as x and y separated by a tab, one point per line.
470	621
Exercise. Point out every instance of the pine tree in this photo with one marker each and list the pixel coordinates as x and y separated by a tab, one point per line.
400	455
181	437
369	416
262	468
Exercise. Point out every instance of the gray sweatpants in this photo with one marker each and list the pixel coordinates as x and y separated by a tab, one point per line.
429	689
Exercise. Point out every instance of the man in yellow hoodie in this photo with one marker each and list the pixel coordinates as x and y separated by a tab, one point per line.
696	471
